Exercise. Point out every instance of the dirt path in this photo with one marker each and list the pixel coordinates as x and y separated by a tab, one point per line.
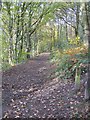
28	91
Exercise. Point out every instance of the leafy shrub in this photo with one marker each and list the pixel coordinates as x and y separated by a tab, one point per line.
74	41
68	60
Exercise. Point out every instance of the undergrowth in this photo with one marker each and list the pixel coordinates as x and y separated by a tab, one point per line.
69	60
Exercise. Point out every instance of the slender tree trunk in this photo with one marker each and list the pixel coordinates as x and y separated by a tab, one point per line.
37	47
10	34
66	29
29	35
58	33
60	36
87	87
54	42
71	29
51	45
35	42
17	35
0	4
22	30
77	19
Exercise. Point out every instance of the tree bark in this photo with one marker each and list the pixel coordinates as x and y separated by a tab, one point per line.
66	29
17	34
22	30
87	9
77	19
10	26
29	46
87	85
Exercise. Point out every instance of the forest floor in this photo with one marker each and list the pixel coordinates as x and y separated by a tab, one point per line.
28	90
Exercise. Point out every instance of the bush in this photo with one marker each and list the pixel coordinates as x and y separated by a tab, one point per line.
68	60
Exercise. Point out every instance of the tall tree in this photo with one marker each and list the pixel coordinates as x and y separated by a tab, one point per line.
87	9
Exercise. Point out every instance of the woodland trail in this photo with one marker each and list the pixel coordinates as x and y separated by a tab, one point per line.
28	91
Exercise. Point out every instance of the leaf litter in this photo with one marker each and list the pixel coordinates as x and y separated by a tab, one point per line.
28	91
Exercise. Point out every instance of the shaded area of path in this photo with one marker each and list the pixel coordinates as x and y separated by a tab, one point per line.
28	91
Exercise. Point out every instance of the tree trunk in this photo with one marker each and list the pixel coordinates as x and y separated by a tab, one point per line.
66	29
29	46
22	30
17	35
10	26
87	87
58	33
77	19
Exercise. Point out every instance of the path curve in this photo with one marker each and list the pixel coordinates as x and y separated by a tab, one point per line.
28	91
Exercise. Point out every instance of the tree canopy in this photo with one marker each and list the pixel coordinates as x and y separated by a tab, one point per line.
59	28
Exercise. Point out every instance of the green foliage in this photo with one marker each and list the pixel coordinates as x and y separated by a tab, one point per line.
74	41
30	28
19	23
68	63
5	65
